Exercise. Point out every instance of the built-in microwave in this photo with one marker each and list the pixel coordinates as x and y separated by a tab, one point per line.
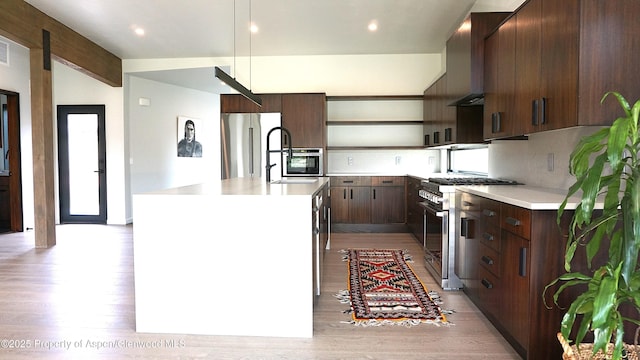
303	162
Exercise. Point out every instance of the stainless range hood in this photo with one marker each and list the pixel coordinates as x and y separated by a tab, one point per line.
465	58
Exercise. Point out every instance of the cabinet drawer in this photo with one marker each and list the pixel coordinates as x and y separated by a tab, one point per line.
490	259
489	292
387	180
516	220
351	181
490	211
490	236
470	203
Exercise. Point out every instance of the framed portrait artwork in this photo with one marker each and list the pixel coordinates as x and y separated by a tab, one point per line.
188	145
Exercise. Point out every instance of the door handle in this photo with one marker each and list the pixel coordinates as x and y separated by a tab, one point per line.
486	283
251	151
522	268
100	171
488	213
464	227
496	122
512	221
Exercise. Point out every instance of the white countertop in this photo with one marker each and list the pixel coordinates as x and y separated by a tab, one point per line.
417	175
245	186
529	197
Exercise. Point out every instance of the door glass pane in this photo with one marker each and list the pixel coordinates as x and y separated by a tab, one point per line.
84	195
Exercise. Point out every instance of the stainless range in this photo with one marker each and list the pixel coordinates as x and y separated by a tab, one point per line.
439	224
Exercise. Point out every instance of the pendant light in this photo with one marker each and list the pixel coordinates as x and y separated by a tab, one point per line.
228	79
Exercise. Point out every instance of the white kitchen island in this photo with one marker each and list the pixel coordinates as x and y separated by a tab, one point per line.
227	258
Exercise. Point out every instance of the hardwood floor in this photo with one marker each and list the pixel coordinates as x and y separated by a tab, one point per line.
76	301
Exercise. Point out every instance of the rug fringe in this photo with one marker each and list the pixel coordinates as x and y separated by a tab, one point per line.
405	323
344	298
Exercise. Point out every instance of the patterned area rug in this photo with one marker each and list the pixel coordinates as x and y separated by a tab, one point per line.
384	290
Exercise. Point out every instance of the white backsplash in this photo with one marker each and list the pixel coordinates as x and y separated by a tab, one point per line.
392	162
527	161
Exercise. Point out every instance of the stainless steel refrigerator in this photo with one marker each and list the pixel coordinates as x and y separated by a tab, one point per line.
244	145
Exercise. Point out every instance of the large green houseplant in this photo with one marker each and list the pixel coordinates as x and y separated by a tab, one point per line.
607	168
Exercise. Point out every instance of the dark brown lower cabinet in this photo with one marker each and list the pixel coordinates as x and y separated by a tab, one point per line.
351	205
517	252
355	201
516	279
388	205
415	212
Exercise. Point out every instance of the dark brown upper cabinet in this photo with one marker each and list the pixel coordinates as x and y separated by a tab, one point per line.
499	82
305	115
465	57
236	103
568	55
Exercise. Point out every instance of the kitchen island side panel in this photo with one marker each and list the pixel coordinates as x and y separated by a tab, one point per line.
223	264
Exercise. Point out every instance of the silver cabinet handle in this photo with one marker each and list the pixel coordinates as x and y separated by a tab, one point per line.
489	213
512	221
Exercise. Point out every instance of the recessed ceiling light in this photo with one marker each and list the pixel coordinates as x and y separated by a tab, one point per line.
139	31
253	28
373	25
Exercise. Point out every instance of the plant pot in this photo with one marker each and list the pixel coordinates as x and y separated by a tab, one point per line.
571	352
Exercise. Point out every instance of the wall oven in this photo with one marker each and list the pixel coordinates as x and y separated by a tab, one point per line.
303	162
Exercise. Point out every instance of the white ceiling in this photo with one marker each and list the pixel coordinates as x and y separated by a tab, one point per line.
205	28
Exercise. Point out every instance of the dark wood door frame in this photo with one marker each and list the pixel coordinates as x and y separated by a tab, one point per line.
15	164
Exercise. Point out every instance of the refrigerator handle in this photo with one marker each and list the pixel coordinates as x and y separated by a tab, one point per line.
251	151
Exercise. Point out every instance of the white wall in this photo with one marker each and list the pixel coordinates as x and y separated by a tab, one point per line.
153	132
71	87
402	74
333	75
15	77
526	160
384	162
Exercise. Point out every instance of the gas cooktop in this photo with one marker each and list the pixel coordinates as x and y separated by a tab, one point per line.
470	181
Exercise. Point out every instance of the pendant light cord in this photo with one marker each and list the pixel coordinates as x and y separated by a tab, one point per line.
234	39
250	36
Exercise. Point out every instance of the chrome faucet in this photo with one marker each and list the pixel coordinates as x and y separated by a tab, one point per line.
269	151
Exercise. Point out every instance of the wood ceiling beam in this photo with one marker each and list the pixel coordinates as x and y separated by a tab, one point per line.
47	38
23	23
